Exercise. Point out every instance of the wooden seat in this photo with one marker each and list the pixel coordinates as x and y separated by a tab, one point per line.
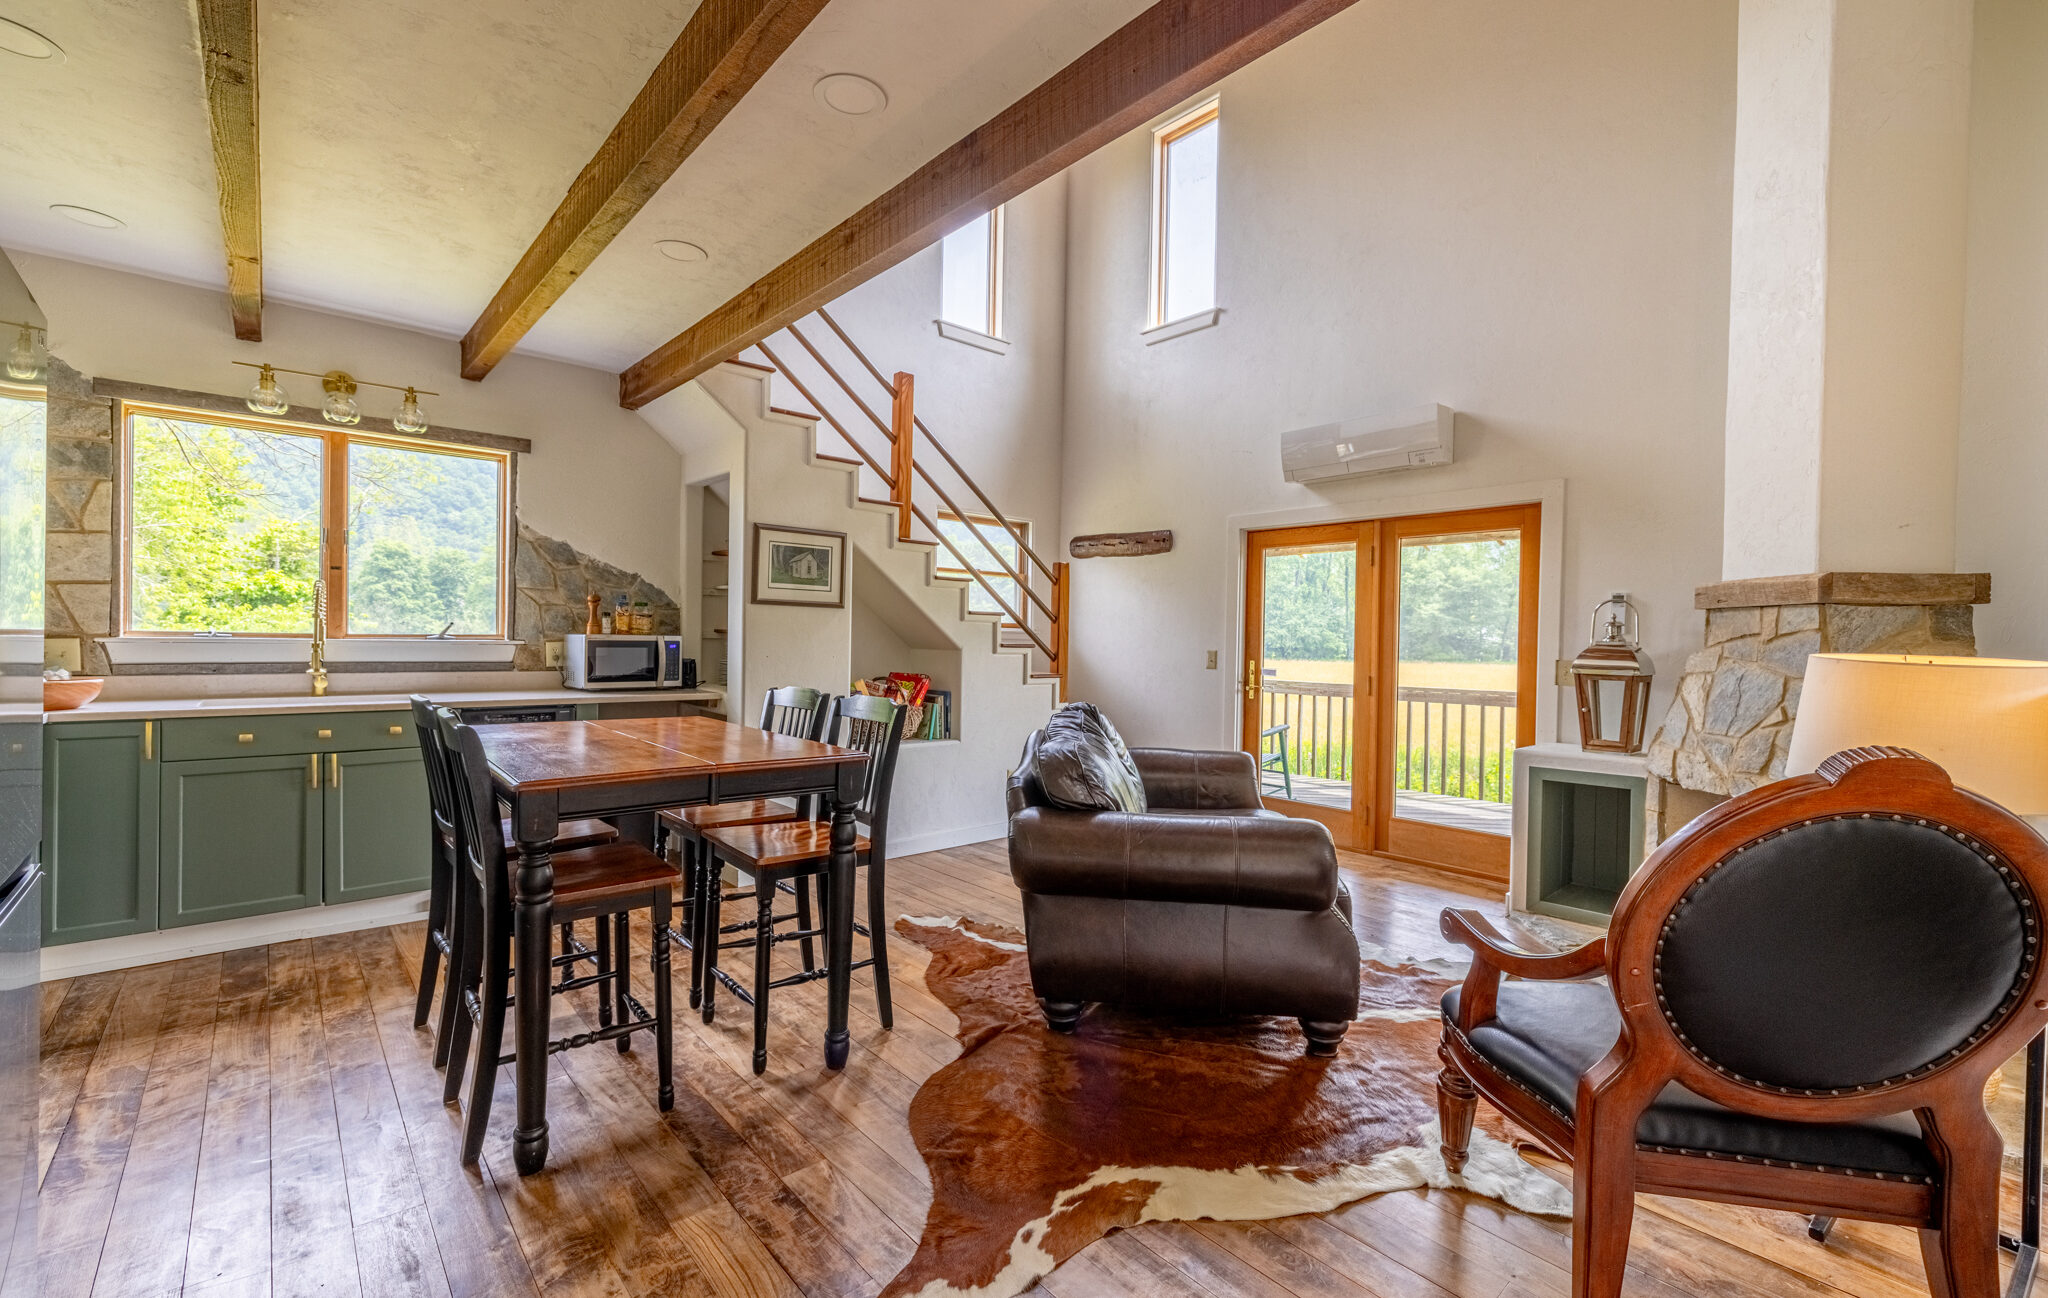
608	870
786	857
779	844
754	811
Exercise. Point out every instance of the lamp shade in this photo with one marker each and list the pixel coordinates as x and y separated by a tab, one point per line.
1983	720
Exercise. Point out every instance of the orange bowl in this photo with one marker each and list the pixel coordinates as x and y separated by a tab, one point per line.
61	696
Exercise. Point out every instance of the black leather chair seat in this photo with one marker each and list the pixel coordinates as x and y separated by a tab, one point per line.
1547	1035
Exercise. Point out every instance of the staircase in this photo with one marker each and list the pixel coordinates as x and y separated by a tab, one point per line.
802	468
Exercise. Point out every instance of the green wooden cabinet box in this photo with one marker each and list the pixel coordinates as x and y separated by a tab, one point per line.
99	830
161	824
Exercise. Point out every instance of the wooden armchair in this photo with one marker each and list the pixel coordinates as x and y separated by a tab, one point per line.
1807	989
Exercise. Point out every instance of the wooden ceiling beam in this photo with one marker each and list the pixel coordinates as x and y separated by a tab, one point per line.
723	50
1171	51
227	46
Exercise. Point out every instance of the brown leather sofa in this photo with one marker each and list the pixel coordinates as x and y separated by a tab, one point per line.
1201	903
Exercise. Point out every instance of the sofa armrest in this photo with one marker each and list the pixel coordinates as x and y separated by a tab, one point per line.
1268	862
1185	779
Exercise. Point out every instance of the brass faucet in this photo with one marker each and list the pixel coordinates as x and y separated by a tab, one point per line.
317	666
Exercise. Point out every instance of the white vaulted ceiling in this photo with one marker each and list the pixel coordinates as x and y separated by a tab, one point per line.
410	152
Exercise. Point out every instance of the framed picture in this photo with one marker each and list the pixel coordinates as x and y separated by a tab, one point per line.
799	565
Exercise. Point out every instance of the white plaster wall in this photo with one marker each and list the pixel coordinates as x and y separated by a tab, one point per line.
1519	211
599	477
2003	460
712	445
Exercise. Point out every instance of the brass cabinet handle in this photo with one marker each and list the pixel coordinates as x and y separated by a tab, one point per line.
149	741
312	770
327	734
245	738
334	770
398	730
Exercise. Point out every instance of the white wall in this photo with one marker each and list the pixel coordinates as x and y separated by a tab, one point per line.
599	477
1520	211
2003	462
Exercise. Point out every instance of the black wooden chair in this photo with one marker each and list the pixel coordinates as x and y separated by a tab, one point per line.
605	883
444	835
1807	990
795	852
788	710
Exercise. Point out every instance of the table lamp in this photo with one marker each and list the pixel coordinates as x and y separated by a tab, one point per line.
1983	720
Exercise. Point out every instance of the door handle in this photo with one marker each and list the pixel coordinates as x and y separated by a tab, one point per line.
1251	680
334	770
312	770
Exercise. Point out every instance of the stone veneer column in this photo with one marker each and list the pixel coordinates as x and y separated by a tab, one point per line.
78	567
1846	285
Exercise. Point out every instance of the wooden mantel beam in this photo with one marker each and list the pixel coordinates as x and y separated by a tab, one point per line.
227	47
1171	51
723	50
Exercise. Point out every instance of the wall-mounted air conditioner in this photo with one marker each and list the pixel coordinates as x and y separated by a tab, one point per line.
1407	440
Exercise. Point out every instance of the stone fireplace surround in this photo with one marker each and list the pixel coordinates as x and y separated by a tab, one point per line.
1729	727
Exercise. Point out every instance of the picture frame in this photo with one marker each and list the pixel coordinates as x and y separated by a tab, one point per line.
802	566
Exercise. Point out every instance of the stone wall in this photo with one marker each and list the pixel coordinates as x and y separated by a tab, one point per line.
550	577
553	577
79	568
1730	726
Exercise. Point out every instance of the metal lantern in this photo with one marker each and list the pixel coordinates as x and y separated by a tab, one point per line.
1612	676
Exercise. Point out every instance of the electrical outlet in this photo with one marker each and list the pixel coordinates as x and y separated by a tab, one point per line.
64	651
1212	660
554	654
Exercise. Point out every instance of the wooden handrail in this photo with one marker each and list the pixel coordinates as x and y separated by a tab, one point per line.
1016	535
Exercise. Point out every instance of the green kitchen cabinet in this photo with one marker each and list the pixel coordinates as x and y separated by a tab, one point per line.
376	823
240	836
99	830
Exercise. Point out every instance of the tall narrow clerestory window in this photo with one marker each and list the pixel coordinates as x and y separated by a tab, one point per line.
971	275
1184	216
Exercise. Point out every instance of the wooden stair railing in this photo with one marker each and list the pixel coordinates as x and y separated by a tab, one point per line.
905	469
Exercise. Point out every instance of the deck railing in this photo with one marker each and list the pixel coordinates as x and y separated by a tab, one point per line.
1455	742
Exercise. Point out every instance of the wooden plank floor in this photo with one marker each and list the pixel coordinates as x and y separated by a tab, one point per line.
269	1122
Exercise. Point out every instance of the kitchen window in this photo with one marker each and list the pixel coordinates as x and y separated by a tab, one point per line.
1184	217
22	469
980	539
230	521
971	276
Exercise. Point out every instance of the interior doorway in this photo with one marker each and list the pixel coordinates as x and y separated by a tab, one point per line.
1390	674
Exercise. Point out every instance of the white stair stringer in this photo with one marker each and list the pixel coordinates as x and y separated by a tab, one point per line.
947	792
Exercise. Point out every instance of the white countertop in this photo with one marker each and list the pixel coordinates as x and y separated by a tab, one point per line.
267	704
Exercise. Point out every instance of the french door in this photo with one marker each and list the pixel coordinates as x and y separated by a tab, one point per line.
1390	674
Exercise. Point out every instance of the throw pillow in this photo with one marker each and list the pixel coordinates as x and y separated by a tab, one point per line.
1083	764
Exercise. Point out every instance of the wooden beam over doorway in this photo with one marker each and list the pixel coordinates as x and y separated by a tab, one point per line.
227	48
723	50
1171	51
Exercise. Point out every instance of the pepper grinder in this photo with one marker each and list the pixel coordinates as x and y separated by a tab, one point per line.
590	626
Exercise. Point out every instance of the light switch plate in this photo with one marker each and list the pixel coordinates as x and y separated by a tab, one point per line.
1212	660
65	652
554	654
1564	671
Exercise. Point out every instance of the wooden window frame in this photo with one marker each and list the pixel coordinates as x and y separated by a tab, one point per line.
1163	138
335	443
39	394
947	568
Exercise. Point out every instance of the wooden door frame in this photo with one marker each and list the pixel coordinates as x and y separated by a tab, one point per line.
1353	828
1481	856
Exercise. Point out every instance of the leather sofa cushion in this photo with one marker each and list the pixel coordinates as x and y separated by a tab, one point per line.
1546	1035
1192	780
1082	763
1236	858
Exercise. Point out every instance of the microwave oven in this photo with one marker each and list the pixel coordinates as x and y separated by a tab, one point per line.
626	662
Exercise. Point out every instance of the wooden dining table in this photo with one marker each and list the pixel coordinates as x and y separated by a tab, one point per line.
625	771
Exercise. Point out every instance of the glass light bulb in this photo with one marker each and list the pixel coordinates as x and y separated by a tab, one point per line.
340	408
409	418
267	396
23	362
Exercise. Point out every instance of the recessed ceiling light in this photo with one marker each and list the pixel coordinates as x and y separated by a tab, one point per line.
677	250
88	216
27	42
846	92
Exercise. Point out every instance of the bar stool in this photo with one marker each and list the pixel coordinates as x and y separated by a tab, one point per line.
442	854
793	852
788	710
605	883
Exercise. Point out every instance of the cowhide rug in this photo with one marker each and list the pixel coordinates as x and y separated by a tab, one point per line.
1039	1144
